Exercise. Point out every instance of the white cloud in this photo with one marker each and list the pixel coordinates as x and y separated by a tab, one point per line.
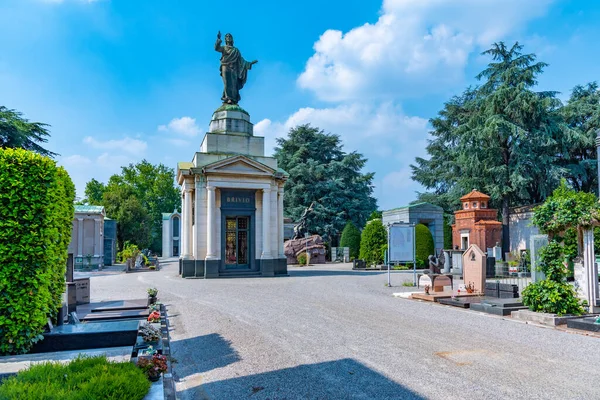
383	133
185	126
75	160
127	144
415	46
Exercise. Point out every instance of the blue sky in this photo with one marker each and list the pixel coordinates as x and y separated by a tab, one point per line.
119	81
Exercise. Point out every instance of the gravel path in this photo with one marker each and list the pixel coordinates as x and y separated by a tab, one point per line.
332	333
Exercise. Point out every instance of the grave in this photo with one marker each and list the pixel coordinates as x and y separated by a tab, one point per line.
88	336
436	282
436	297
498	306
474	268
501	290
461	302
585	324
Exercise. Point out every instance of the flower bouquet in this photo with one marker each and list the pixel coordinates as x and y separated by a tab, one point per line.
154	316
153	366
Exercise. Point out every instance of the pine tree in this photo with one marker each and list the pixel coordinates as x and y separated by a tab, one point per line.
351	239
321	172
501	137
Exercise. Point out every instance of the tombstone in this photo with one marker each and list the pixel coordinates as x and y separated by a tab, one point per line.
497	251
334	254
474	263
537	242
71	297
457	261
70	265
447	263
581	284
82	290
490	269
346	254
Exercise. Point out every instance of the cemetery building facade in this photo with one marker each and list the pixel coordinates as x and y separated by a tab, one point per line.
427	214
232	203
87	236
171	234
475	223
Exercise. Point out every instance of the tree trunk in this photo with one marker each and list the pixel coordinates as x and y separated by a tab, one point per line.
505	230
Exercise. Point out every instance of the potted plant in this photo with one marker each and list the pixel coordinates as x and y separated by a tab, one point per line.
152	292
149	333
153	366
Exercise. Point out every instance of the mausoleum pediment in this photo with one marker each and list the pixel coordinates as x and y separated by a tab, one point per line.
239	165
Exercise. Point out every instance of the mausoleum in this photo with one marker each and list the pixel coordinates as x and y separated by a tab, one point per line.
427	214
87	236
232	203
171	234
476	223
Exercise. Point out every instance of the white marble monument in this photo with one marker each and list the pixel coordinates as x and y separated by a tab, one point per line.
232	203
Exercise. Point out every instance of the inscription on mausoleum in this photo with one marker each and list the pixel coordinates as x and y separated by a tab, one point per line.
237	199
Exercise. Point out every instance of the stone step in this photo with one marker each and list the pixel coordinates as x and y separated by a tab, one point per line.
240	274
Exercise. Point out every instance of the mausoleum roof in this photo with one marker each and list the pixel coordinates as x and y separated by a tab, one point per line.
86	209
416	205
475	195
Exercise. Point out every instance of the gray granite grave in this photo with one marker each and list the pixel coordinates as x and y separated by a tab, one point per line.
498	306
586	324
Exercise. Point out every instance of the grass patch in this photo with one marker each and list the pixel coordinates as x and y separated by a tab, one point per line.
85	378
409	284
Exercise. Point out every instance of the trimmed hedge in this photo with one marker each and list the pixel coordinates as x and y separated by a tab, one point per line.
351	238
84	378
36	217
424	246
372	242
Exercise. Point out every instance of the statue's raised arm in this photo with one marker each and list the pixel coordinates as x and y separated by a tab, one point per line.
234	69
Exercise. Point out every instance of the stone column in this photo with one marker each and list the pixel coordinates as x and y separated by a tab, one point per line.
187	226
182	224
274	222
211	251
79	237
280	223
195	247
266	214
96	238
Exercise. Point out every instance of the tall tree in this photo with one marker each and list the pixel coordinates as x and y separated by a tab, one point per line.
94	190
136	198
501	137
18	132
321	172
578	150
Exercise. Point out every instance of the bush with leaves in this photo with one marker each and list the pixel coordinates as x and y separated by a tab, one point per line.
36	208
351	239
424	246
302	259
372	242
563	213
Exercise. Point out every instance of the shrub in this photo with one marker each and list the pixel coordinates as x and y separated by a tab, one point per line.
351	239
424	245
83	378
302	259
130	251
560	214
36	205
372	241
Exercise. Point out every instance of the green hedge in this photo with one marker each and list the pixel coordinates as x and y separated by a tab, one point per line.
372	242
36	216
351	238
85	378
424	245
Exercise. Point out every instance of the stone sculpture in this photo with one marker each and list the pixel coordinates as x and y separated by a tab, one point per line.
234	69
436	264
300	229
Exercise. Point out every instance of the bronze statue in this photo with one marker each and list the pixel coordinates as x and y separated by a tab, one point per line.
300	228
234	69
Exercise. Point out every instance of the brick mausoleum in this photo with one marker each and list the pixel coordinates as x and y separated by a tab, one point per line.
475	223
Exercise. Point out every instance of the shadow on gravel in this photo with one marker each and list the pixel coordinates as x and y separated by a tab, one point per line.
201	354
341	379
302	273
